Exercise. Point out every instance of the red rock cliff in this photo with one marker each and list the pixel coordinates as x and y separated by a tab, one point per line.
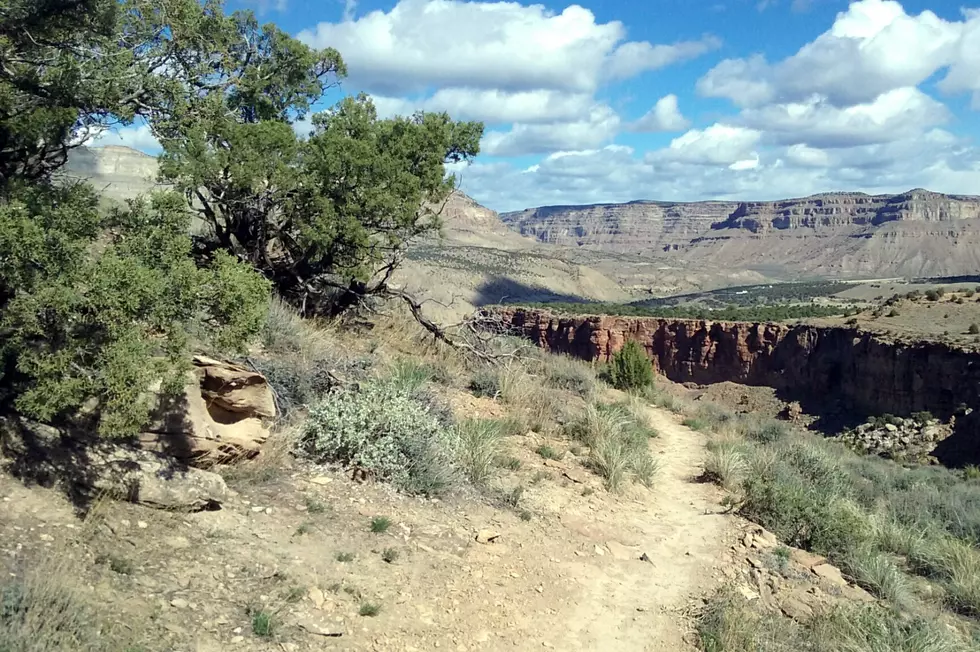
810	364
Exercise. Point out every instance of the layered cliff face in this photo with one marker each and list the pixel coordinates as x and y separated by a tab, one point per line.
637	226
842	210
811	364
916	233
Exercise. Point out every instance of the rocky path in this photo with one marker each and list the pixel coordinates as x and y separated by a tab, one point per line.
627	607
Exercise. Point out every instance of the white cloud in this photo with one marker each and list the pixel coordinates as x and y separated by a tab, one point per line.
495	106
718	144
936	160
664	116
630	59
816	122
964	73
137	137
594	130
490	45
744	81
872	48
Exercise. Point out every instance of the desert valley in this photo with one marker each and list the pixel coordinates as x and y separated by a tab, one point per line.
555	328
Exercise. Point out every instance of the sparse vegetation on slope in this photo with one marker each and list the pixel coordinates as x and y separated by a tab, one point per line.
763	313
881	522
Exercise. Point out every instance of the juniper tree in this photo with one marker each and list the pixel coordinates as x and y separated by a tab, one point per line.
96	304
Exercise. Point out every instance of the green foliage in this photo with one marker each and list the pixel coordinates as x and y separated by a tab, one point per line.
369	609
631	368
549	452
410	375
339	206
103	306
730	624
933	295
385	430
390	555
380	524
562	372
618	443
263	623
974	329
479	448
761	313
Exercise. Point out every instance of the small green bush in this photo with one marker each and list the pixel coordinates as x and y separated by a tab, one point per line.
479	448
263	624
548	452
932	295
383	429
631	368
974	329
369	609
380	524
767	431
618	443
562	372
409	376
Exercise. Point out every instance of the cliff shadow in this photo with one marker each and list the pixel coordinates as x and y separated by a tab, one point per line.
962	448
504	290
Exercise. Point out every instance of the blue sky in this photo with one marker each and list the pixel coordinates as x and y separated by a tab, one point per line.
613	100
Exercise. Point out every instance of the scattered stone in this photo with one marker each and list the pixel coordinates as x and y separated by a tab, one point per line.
830	573
599	550
576	476
796	609
748	593
179	603
765	539
487	536
619	551
321	480
806	559
316	597
857	594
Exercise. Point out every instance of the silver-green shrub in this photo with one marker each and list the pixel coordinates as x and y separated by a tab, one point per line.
386	430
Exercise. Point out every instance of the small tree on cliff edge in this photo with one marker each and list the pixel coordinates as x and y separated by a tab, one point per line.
631	369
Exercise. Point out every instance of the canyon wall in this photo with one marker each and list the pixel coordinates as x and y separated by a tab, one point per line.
814	365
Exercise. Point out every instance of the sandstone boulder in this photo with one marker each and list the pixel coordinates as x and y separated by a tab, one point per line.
87	468
220	417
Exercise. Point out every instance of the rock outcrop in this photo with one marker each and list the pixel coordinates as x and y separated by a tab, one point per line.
87	468
857	372
897	438
220	417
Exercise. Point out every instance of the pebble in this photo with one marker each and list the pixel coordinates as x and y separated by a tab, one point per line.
179	603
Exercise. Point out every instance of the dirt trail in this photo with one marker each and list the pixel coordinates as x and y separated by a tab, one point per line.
682	532
570	578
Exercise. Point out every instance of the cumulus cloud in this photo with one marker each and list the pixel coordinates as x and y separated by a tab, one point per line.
490	45
718	144
664	116
935	159
593	130
872	48
494	106
137	137
816	122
